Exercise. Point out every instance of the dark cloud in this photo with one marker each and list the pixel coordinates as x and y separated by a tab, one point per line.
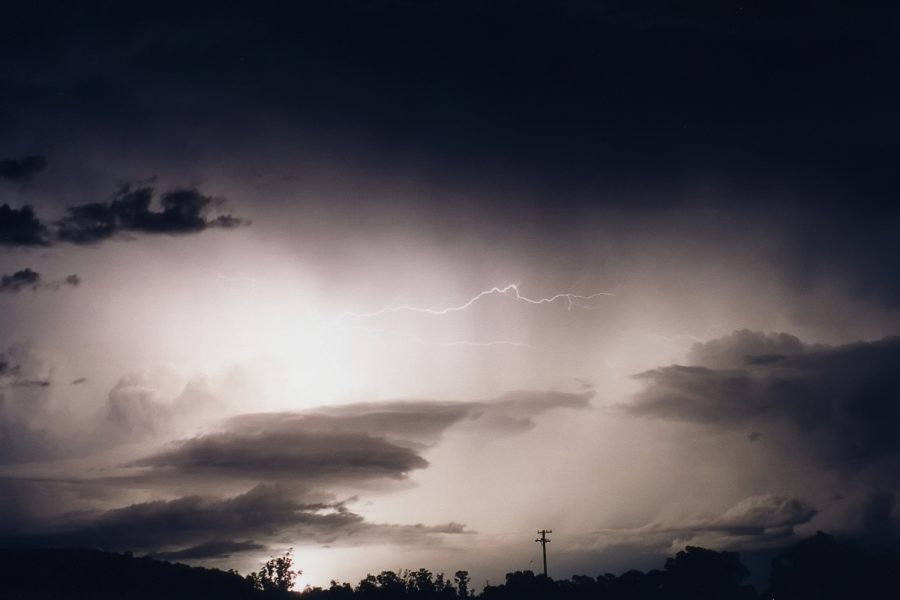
420	421
744	347
27	279
526	87
20	280
262	511
525	92
293	461
753	523
213	549
297	455
407	420
22	169
265	512
21	227
562	101
770	515
839	403
352	443
130	211
182	211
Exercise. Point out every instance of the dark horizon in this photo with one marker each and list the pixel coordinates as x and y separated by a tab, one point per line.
818	567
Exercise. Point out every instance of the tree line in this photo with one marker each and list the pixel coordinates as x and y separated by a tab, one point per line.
819	568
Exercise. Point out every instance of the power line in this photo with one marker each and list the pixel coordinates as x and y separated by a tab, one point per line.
543	541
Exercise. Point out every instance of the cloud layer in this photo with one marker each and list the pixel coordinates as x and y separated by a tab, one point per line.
182	211
197	524
27	279
21	227
843	400
754	522
288	455
829	410
130	211
258	479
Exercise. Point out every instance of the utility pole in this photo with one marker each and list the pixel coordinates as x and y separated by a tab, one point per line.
543	541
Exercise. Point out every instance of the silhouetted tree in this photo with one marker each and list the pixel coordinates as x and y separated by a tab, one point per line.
636	585
420	583
277	575
443	588
701	574
340	591
462	583
521	585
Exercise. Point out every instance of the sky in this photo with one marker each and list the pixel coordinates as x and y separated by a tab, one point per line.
397	284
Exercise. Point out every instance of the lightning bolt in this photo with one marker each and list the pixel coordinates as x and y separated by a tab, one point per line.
512	290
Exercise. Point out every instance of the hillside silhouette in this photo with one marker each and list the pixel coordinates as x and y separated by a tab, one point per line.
820	568
82	573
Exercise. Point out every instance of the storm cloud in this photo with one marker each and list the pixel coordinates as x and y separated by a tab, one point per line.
292	464
842	401
27	279
20	280
195	524
350	443
753	522
295	455
21	227
212	549
704	169
768	514
182	211
422	421
131	211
